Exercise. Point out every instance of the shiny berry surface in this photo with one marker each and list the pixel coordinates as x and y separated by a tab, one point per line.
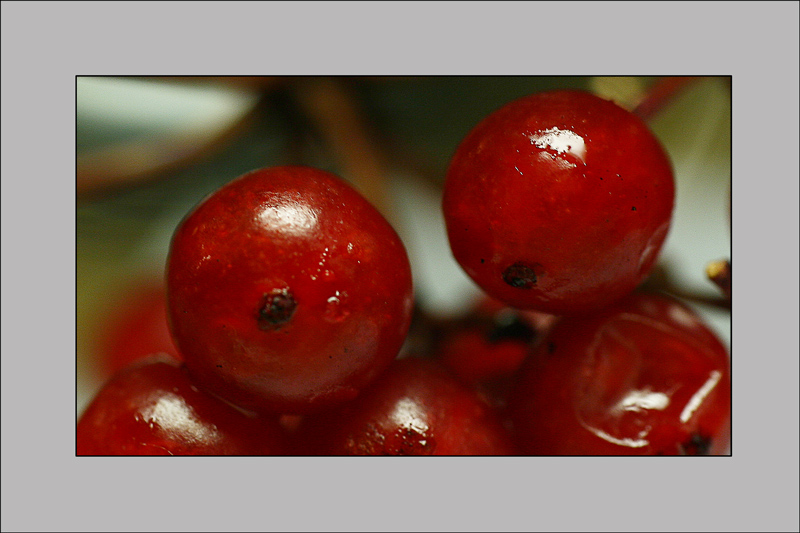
415	408
287	291
152	408
643	377
559	201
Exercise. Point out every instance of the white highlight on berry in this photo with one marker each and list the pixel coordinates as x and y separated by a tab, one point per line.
698	397
642	400
408	414
560	141
630	443
288	217
173	415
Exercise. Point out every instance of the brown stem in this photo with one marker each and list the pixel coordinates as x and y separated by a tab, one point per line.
661	280
335	112
664	91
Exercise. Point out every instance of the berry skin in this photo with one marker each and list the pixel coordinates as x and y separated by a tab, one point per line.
559	201
136	329
287	291
477	353
643	377
416	407
486	346
152	408
490	341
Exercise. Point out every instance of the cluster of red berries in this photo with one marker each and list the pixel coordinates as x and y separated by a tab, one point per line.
291	307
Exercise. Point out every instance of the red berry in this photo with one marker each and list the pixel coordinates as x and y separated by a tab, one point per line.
487	345
287	291
643	377
559	201
476	354
488	342
415	408
152	408
136	328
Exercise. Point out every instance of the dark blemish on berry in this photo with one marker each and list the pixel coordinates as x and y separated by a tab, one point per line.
276	309
511	329
483	261
633	208
521	275
696	445
219	366
551	347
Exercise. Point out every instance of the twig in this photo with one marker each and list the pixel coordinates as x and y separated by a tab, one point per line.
661	94
340	121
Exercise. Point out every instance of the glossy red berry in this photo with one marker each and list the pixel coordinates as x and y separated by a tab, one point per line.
152	408
287	291
643	377
416	407
559	201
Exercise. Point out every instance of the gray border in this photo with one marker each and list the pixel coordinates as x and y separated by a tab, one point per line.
44	45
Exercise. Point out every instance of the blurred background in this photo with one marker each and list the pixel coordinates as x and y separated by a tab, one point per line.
149	149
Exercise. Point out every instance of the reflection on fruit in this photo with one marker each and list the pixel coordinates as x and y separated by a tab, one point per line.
642	377
559	201
415	407
153	408
288	292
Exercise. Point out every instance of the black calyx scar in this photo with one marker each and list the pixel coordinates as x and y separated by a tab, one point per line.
510	328
696	444
522	275
276	309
